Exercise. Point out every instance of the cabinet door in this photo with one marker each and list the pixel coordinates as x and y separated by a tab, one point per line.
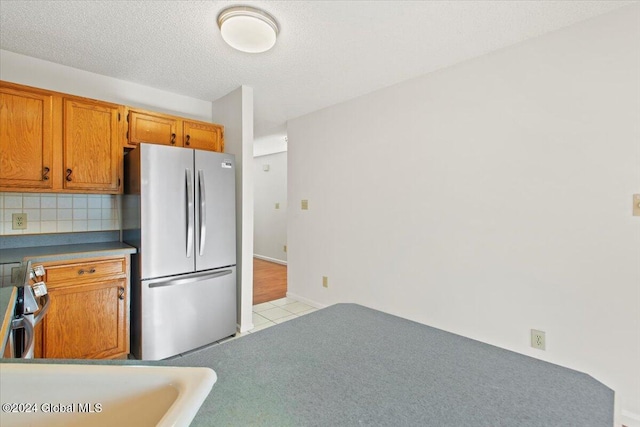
87	321
154	128
26	139
92	151
203	136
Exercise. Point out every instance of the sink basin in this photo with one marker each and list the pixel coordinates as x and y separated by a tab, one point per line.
98	395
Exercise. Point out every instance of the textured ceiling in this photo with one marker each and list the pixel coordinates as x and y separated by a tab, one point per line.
327	51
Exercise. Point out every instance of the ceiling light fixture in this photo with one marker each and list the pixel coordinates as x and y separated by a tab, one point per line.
248	29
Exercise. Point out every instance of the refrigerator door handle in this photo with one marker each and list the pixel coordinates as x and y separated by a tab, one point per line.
203	210
189	181
192	279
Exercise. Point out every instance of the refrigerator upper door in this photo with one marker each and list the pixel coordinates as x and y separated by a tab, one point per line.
167	206
215	210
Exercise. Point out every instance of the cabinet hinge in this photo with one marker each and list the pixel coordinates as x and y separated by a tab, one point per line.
127	134
118	182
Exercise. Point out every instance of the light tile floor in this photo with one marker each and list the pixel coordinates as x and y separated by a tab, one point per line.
271	313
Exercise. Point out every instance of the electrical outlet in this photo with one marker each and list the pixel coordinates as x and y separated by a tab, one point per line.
19	221
538	339
277	205
325	281
636	205
284	248
304	205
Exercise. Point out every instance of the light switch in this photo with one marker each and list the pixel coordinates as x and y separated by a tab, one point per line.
277	205
265	168
636	205
304	205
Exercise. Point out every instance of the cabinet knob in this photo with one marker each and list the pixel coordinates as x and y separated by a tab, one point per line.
120	293
173	139
187	141
69	172
45	173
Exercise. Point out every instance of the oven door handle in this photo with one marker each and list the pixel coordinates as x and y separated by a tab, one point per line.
23	323
45	307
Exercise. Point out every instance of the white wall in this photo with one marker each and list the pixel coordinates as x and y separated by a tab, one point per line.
270	144
488	199
235	110
35	72
270	222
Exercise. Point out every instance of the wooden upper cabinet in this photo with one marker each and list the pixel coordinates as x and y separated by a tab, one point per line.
53	142
92	150
204	136
157	128
26	138
61	143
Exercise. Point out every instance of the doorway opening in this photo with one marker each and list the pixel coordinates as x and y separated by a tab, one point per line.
270	218
269	281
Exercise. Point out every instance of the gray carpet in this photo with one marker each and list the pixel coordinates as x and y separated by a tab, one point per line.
348	365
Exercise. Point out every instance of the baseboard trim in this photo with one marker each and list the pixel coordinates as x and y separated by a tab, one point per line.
242	330
629	418
266	258
305	300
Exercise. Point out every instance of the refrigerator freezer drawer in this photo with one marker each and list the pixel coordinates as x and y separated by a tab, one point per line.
185	312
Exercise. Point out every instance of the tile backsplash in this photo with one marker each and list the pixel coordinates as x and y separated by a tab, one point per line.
59	213
5	274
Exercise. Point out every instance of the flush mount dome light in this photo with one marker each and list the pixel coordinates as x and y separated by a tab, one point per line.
248	29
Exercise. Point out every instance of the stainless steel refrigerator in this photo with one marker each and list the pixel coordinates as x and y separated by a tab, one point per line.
179	211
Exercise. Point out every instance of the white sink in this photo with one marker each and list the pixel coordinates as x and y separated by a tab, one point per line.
98	395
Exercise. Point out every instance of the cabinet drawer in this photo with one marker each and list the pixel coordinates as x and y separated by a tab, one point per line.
85	271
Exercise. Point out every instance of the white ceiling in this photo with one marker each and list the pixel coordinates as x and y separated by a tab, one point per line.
327	51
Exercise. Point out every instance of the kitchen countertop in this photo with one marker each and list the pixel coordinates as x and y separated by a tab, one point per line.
375	380
62	252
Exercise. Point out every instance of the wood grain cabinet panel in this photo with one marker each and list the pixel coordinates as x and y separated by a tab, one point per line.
92	153
89	313
154	128
86	321
203	136
157	128
26	139
61	275
53	142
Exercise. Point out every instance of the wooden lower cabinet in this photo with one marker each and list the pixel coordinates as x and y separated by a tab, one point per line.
89	313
